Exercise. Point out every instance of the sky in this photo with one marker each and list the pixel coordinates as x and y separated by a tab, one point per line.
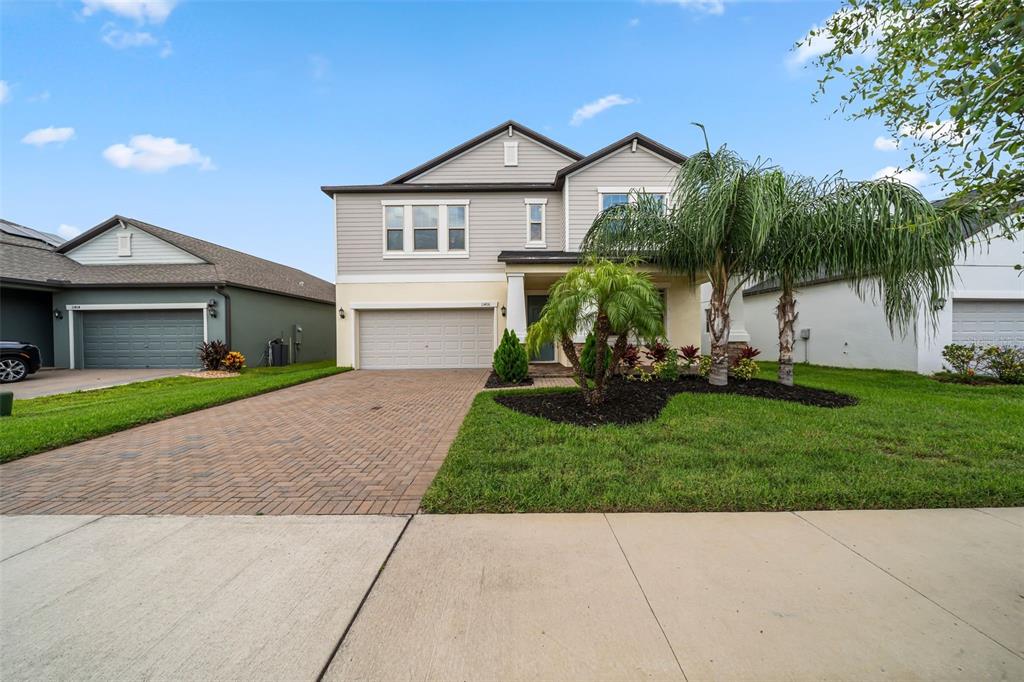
223	119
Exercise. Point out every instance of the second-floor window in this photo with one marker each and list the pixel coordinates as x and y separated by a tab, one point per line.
613	196
535	227
426	229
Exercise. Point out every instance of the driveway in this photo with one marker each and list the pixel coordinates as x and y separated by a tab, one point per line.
849	595
54	381
360	442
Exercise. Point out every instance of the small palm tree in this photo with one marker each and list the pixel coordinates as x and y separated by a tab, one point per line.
612	299
718	221
882	235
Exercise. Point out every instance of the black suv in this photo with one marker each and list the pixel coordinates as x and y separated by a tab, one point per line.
18	360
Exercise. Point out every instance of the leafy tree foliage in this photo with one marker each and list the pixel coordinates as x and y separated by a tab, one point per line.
510	361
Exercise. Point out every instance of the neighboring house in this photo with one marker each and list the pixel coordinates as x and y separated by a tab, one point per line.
985	306
130	294
436	263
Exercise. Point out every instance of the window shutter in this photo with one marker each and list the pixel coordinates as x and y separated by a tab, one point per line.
511	153
124	244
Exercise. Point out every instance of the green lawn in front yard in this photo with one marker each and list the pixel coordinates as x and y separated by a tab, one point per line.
910	442
38	424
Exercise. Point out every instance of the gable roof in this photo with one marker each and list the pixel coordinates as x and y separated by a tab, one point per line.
641	141
41	264
483	137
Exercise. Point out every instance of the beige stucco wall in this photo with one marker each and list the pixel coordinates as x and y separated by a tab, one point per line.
682	323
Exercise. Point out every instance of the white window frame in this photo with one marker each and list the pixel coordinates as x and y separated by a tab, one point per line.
631	193
543	243
408	250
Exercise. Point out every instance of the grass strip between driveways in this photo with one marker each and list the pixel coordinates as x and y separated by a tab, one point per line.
48	422
911	442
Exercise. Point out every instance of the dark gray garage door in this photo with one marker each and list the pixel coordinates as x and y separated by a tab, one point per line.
142	338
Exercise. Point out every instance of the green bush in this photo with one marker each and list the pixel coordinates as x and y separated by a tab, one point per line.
745	369
668	368
704	366
588	355
965	361
1006	363
510	361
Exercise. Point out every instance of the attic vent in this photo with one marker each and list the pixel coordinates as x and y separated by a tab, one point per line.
511	153
124	244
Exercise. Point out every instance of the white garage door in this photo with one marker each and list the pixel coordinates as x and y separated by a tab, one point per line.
989	322
410	339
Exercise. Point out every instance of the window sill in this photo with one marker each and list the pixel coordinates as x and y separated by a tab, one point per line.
406	256
535	245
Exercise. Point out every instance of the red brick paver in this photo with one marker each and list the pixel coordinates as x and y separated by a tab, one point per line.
356	443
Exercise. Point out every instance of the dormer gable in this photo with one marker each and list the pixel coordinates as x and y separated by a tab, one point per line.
118	242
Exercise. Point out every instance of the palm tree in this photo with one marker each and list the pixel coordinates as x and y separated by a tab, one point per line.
882	235
717	223
612	299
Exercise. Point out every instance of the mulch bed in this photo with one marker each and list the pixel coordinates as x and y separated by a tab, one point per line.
494	382
632	402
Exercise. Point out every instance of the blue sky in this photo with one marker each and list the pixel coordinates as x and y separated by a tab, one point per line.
223	119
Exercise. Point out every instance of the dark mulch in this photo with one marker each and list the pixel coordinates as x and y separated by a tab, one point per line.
632	402
494	382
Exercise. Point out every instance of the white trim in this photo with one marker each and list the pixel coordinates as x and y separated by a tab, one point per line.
987	295
421	305
619	151
482	142
421	277
86	307
511	153
565	202
627	190
394	255
422	202
541	243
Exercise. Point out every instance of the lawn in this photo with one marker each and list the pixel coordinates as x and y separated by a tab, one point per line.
911	442
45	423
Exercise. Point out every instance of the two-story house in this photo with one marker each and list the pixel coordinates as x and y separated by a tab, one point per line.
436	263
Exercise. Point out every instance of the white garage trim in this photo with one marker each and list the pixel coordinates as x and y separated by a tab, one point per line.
72	307
425	305
988	295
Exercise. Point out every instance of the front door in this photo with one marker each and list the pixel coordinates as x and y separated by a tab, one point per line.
534	305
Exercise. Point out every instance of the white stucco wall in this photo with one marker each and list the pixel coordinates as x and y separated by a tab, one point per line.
848	332
737	319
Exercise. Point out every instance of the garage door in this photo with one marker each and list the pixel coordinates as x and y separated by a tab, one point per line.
989	322
142	338
403	339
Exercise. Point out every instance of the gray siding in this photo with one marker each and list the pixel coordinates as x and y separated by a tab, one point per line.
27	315
486	163
146	249
497	222
623	168
258	317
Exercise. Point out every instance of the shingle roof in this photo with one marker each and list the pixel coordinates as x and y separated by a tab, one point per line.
7	227
23	261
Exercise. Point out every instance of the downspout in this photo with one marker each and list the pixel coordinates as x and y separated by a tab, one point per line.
227	314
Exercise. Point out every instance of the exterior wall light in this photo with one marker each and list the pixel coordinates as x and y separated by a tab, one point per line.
341	313
211	307
939	304
504	311
57	314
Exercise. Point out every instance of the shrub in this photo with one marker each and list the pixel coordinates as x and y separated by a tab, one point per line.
641	375
668	368
510	361
745	369
746	353
657	351
690	355
1005	362
588	355
965	361
212	354
234	361
704	366
631	356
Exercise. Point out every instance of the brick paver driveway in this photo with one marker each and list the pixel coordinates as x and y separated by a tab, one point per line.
360	442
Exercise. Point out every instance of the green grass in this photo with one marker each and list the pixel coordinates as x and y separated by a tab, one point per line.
911	442
39	424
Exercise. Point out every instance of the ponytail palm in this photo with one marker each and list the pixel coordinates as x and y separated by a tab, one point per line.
612	299
716	225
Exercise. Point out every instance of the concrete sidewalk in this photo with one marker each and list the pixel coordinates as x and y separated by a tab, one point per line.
179	598
933	594
54	381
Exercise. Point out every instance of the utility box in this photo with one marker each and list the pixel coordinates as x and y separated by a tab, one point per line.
805	334
278	353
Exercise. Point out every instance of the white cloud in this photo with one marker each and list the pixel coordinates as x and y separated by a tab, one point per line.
5	92
121	40
151	154
944	131
909	176
633	23
814	46
592	109
68	231
45	136
703	6
142	11
886	144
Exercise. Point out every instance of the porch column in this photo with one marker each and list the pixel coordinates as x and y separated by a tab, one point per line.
516	307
